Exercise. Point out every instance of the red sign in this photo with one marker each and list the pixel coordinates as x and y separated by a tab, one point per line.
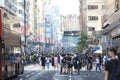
0	44
22	29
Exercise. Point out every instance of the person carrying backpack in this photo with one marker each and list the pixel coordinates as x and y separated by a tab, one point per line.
112	67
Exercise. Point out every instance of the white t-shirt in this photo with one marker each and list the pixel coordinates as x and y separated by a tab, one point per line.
97	60
61	58
47	60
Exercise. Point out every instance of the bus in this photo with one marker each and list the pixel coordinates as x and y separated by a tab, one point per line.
10	51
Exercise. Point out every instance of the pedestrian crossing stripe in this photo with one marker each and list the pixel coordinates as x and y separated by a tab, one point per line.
64	75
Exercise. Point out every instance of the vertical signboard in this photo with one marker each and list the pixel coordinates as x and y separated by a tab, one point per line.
0	44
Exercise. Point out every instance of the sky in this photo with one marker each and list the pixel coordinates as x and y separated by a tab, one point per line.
67	6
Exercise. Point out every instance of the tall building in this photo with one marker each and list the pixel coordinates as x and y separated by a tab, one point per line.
9	5
91	13
20	14
70	22
41	30
9	9
111	24
33	19
56	32
71	28
40	21
94	16
83	17
48	22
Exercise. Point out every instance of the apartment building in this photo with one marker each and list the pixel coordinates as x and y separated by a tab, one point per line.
82	16
9	9
20	15
94	16
111	24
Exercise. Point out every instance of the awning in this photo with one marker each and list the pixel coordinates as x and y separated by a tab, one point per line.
98	52
110	27
116	36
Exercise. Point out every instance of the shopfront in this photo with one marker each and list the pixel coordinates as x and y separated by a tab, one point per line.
115	34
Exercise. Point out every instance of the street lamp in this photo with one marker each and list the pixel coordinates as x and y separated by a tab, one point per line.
25	26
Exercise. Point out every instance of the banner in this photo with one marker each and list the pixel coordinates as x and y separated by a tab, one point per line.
22	29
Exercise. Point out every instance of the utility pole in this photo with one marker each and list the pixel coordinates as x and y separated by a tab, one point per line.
0	44
25	25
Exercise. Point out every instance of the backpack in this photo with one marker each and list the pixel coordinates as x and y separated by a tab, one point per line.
115	74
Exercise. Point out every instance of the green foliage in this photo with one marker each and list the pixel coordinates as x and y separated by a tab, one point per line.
82	44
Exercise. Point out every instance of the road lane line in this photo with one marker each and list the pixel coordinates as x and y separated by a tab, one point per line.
70	76
27	76
32	73
55	77
70	79
21	79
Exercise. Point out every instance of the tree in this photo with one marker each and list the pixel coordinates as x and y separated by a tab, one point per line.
82	44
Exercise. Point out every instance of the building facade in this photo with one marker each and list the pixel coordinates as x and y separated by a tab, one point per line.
82	16
91	13
20	14
9	9
70	28
56	30
48	22
94	16
111	24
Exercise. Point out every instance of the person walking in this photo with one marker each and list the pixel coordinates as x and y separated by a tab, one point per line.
98	63
43	61
89	64
48	62
79	63
56	62
70	64
112	67
75	63
61	64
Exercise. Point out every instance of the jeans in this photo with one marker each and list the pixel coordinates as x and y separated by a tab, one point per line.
98	66
48	64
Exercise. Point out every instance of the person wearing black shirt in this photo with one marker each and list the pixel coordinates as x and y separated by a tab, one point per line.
79	63
64	61
75	63
43	61
53	61
70	64
89	66
110	64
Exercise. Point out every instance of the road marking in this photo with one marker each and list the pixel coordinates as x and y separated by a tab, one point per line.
70	79
21	79
70	76
27	76
32	73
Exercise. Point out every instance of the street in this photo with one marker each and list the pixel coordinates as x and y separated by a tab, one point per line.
33	72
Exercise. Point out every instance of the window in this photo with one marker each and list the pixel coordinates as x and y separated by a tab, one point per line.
92	6
116	5
104	6
92	17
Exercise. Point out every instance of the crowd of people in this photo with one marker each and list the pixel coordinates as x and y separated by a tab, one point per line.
69	63
66	63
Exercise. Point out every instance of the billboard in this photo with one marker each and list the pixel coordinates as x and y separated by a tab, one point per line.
48	32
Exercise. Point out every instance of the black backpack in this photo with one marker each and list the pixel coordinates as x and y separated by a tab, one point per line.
115	74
